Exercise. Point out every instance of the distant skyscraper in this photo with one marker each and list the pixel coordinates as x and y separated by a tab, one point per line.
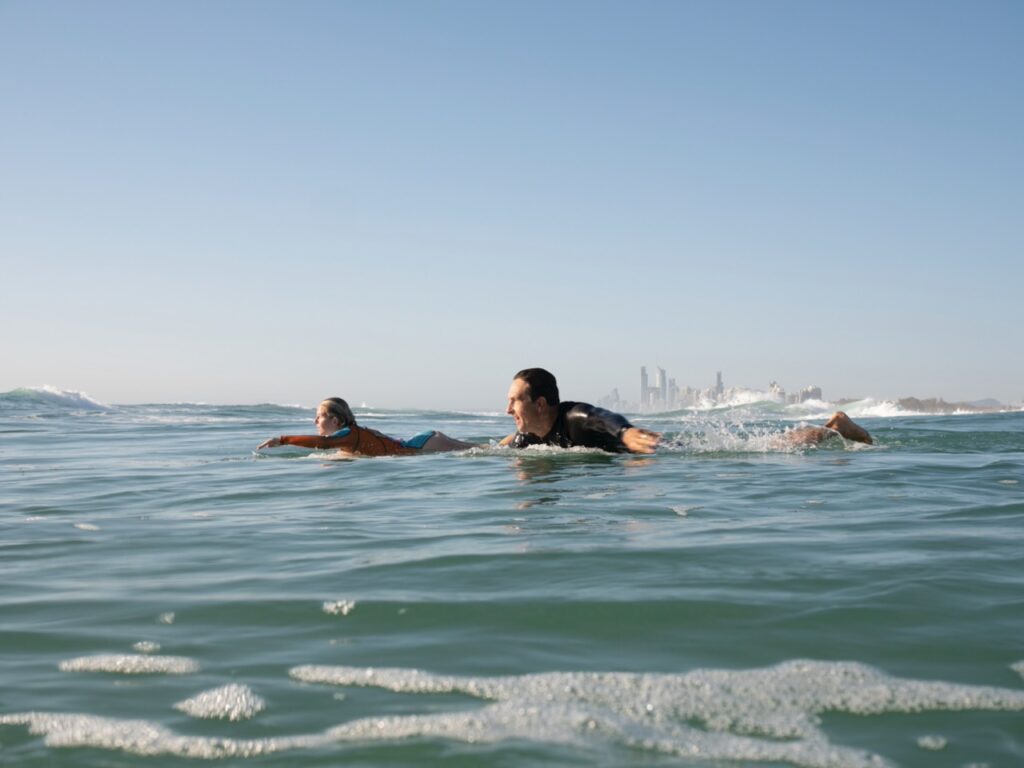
810	392
662	383
719	388
643	386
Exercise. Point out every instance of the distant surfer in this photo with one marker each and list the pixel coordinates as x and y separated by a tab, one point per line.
338	430
839	425
543	419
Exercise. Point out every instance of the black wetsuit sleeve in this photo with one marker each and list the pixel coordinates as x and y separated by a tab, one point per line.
595	427
523	439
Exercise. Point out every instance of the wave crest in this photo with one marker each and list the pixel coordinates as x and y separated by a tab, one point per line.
52	397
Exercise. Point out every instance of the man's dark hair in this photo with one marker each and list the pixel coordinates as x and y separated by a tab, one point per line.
541	383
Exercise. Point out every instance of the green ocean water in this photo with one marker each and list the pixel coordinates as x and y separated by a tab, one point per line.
169	597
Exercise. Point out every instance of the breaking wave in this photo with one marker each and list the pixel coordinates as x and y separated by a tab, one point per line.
52	397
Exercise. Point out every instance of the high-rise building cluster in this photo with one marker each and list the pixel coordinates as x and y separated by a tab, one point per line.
666	395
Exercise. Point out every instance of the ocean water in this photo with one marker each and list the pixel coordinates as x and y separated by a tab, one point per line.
168	596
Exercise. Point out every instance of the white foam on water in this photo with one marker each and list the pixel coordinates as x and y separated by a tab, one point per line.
1009	482
716	436
142	737
759	715
932	742
553	449
86	527
229	702
131	664
769	715
1018	667
339	607
166	618
146	646
340	456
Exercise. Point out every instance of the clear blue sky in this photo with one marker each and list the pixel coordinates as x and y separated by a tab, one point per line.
403	203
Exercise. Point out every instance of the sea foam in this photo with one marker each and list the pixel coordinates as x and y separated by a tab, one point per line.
767	715
131	664
229	702
339	607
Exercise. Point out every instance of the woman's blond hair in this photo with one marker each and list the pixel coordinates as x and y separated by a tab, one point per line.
339	409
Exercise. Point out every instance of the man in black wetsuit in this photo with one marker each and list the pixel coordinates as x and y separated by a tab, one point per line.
541	419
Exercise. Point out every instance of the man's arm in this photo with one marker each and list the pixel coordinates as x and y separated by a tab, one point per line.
639	440
599	428
848	428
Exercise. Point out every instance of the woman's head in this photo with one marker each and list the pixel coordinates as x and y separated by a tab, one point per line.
333	414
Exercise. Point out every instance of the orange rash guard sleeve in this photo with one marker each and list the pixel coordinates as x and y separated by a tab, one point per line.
317	442
366	442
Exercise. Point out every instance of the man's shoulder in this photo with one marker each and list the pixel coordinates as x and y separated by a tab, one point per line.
567	406
573	408
594	427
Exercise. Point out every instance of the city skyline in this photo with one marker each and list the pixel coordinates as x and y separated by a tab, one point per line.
666	394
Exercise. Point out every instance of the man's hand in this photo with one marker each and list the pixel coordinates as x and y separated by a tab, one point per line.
271	443
639	440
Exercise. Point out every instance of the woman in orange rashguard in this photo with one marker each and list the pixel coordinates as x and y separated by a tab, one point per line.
337	429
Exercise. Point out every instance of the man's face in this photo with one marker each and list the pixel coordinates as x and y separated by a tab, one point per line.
523	409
